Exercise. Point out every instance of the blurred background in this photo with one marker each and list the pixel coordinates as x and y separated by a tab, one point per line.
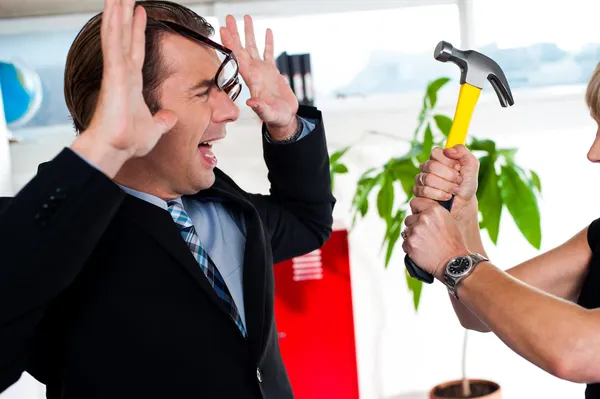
371	62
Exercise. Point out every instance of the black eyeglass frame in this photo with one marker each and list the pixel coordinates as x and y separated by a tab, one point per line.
233	84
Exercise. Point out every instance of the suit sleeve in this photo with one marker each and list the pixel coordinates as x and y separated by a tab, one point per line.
298	211
47	232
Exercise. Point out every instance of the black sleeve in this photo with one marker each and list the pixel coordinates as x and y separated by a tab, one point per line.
298	211
47	232
593	234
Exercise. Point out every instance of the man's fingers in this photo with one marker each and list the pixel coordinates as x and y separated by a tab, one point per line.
105	20
231	39
250	38
138	40
127	9
226	39
269	53
256	104
235	44
112	52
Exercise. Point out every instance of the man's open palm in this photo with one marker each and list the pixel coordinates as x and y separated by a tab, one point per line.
122	118
270	96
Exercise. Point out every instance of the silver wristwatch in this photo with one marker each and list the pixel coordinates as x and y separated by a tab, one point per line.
458	268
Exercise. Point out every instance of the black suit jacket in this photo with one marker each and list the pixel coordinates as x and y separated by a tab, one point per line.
101	298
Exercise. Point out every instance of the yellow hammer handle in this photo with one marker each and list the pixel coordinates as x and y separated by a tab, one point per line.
467	99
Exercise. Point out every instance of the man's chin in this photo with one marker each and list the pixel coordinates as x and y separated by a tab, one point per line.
205	181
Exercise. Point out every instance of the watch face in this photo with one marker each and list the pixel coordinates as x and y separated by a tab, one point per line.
459	266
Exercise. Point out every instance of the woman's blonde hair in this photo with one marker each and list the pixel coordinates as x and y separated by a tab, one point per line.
592	94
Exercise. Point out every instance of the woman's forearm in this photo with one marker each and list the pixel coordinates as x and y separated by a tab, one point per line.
556	335
468	222
467	318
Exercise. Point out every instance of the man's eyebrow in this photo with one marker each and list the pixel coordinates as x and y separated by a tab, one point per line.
202	84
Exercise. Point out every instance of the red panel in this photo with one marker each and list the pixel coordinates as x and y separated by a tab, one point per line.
313	309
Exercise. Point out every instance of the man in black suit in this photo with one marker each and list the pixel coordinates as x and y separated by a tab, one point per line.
131	266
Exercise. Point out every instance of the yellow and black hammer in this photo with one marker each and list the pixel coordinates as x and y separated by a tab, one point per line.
475	69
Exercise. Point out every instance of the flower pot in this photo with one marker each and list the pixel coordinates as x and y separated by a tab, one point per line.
481	389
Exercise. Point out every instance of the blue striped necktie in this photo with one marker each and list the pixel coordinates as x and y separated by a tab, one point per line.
188	232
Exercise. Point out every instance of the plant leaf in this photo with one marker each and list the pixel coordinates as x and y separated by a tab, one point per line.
509	154
433	88
489	197
392	234
535	180
365	185
340	168
415	286
385	198
522	205
421	120
482	145
415	150
337	155
332	180
443	123
427	145
405	171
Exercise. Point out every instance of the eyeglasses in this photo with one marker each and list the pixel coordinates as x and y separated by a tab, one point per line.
227	76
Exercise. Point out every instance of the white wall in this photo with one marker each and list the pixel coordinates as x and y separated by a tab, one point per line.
553	134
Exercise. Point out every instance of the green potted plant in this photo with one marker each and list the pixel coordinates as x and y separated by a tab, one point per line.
503	183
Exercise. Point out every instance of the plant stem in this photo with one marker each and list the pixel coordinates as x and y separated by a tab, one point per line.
466	386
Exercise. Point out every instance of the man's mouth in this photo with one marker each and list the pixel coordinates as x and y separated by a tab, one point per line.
209	144
205	149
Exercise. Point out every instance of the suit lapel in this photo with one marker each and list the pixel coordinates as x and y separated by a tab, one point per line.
158	223
254	280
255	260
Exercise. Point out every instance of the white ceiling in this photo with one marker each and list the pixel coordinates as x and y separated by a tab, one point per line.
37	8
12	9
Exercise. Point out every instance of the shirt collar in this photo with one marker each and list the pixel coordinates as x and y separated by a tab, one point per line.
149	197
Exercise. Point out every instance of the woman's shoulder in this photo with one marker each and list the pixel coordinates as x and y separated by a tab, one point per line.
593	234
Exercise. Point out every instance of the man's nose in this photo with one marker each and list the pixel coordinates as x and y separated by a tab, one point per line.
224	109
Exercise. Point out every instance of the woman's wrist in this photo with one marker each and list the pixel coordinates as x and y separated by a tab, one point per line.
469	214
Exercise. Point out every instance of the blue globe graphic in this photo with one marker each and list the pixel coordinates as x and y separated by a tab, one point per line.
21	90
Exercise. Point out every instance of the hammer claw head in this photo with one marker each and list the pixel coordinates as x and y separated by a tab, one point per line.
502	90
476	68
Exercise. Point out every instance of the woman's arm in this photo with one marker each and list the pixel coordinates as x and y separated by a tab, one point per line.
559	272
552	333
555	335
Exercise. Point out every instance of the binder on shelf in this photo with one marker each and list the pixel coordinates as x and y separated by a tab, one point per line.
282	63
307	79
296	68
296	61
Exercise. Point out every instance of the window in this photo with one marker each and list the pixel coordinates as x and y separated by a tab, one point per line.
537	44
366	52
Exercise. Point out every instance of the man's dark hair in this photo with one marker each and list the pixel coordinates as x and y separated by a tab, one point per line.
83	69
